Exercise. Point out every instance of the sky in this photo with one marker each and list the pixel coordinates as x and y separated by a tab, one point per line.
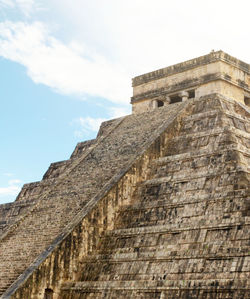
66	66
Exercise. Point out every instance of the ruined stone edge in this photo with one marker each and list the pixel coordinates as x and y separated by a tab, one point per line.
188	84
190	64
91	204
61	237
49	181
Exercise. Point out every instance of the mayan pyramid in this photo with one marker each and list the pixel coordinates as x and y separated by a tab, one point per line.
156	207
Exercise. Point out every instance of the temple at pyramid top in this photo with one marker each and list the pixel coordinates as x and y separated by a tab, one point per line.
216	72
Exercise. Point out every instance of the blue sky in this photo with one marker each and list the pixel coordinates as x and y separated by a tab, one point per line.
67	65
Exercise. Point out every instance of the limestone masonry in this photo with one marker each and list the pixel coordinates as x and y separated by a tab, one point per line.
216	72
156	207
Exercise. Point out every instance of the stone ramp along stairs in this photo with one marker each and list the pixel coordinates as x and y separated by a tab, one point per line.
61	200
162	201
185	234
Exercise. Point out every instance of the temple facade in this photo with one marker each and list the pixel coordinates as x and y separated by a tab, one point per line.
216	72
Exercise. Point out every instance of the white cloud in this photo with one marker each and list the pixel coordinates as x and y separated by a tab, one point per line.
69	69
146	35
12	189
133	37
26	7
7	3
14	182
8	174
116	112
88	125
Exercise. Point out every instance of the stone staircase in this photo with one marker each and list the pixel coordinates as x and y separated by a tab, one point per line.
185	233
30	193
58	199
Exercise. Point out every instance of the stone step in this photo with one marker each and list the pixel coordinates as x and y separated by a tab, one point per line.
181	188
5	276
179	244
206	250
161	275
225	224
215	112
211	119
148	269
202	121
200	153
214	161
7	279
159	284
179	216
233	197
197	174
160	196
182	250
216	131
2	290
157	293
4	284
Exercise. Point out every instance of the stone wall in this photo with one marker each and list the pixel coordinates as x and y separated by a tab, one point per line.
214	73
173	222
186	232
13	212
10	212
75	191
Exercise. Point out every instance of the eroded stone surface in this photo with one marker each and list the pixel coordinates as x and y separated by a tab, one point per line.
216	72
61	198
173	222
157	206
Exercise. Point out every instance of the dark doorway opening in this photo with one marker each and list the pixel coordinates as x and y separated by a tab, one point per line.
175	99
160	103
48	294
191	94
247	101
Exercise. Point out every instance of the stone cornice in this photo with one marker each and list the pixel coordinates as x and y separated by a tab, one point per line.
187	84
190	64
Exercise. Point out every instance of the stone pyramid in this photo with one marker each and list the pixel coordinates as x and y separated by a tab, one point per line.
157	206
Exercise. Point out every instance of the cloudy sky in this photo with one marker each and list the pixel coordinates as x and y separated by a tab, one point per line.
66	65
